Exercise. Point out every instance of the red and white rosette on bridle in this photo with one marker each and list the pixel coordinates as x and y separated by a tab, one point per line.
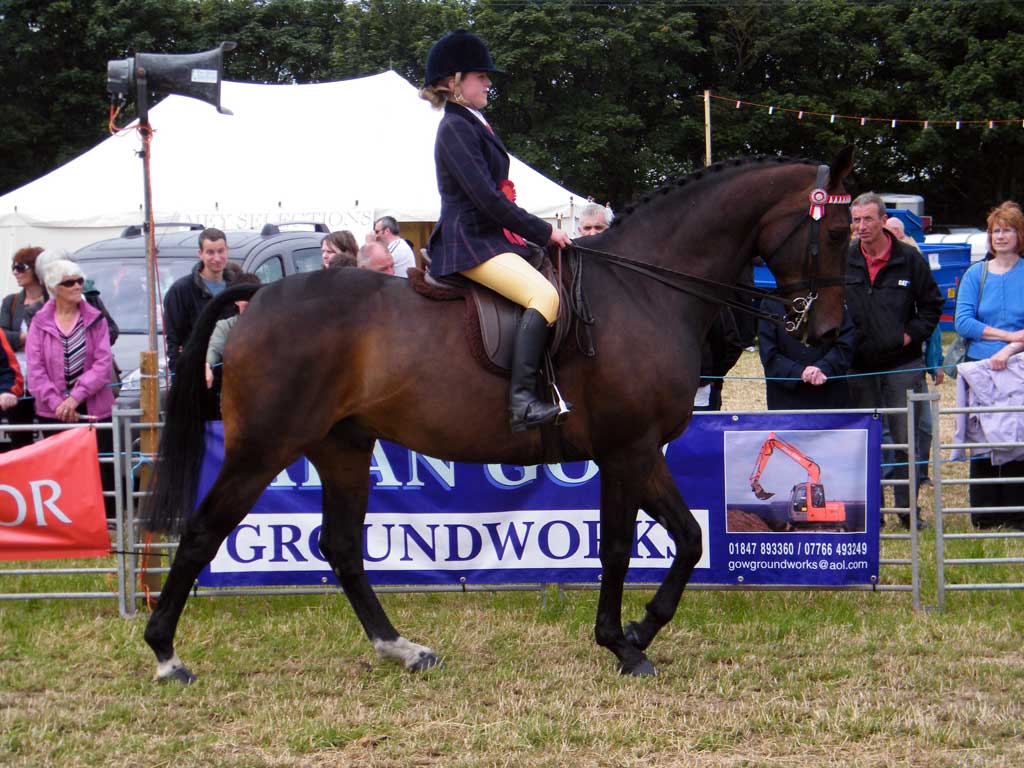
820	198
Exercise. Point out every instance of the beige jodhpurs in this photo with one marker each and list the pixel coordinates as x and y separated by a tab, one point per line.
510	275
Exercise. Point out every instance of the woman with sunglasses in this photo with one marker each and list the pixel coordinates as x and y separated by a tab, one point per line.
18	308
69	360
68	351
16	314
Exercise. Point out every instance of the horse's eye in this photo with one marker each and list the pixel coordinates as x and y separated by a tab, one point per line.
837	235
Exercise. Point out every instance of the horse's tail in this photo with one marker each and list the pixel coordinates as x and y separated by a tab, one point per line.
176	472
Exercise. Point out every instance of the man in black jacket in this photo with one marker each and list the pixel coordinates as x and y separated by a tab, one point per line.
895	304
188	295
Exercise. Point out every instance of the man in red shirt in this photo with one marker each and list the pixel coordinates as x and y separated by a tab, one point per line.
895	305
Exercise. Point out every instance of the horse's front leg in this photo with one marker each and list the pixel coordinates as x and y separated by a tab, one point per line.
663	502
618	523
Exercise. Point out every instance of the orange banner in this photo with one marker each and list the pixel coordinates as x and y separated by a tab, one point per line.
51	501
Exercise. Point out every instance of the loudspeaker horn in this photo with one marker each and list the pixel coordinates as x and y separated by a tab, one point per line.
196	75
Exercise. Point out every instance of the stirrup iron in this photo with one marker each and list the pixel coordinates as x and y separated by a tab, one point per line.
564	408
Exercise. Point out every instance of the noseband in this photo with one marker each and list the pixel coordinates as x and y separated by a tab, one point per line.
801	306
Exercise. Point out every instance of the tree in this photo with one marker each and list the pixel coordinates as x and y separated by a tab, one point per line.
598	96
602	96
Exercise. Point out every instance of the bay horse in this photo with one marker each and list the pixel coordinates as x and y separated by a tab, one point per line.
323	364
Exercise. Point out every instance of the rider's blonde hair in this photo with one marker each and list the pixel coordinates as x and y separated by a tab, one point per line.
439	93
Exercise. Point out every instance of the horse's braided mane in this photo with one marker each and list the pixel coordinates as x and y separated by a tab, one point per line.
702	173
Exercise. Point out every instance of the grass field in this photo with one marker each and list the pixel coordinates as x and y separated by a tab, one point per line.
747	679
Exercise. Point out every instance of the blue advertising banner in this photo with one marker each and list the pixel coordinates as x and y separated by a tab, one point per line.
780	500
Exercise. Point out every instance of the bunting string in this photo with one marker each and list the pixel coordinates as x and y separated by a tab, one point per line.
864	119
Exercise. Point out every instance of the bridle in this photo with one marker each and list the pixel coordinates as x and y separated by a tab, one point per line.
801	305
798	307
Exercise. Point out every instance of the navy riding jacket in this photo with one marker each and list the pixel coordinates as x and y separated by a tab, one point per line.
471	164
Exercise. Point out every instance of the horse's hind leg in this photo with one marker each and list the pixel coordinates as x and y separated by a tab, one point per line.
345	475
663	502
233	494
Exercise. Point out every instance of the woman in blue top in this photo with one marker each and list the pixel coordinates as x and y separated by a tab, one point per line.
481	233
994	330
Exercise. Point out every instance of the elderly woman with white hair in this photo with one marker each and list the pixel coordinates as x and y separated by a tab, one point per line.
68	351
69	359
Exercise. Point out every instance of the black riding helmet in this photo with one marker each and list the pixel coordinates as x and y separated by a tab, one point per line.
458	51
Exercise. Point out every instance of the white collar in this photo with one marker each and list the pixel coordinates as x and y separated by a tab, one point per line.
479	116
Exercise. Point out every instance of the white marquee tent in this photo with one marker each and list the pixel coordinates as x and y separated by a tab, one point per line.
342	153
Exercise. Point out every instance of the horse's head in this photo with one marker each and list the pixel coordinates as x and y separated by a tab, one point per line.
803	239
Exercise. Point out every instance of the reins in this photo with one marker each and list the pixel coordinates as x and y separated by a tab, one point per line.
800	306
672	277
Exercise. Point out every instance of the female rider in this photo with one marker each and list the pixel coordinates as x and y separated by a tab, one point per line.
481	231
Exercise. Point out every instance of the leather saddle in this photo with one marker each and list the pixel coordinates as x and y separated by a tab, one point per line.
492	320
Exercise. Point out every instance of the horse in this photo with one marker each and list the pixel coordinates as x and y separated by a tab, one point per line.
323	364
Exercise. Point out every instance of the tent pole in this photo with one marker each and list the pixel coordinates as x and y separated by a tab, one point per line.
707	128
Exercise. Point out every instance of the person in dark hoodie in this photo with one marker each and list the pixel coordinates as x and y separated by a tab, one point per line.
895	305
188	295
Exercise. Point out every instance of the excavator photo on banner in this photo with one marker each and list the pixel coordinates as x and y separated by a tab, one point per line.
808	507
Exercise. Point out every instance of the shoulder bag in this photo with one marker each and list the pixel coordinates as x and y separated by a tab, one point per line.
957	351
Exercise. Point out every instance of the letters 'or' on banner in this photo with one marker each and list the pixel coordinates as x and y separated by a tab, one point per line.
812	519
51	500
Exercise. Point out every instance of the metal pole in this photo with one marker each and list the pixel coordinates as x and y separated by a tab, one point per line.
707	128
915	569
940	536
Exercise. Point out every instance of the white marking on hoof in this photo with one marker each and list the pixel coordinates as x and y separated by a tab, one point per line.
402	650
165	669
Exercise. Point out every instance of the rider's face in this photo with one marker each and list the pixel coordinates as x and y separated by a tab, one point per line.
474	88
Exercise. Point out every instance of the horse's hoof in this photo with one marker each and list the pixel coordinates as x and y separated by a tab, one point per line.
642	668
180	674
425	662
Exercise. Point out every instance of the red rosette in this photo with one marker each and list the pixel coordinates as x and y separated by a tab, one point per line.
509	189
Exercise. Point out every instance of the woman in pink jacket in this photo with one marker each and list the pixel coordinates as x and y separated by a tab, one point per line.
69	360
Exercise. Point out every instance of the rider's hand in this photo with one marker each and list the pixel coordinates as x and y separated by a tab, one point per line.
560	238
7	401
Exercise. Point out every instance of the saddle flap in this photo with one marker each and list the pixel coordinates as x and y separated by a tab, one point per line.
499	319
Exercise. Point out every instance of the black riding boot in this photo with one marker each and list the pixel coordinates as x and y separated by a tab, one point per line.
527	410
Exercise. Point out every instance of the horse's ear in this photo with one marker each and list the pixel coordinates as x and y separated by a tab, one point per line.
842	165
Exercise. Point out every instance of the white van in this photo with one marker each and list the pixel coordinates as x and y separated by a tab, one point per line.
977	240
912	203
